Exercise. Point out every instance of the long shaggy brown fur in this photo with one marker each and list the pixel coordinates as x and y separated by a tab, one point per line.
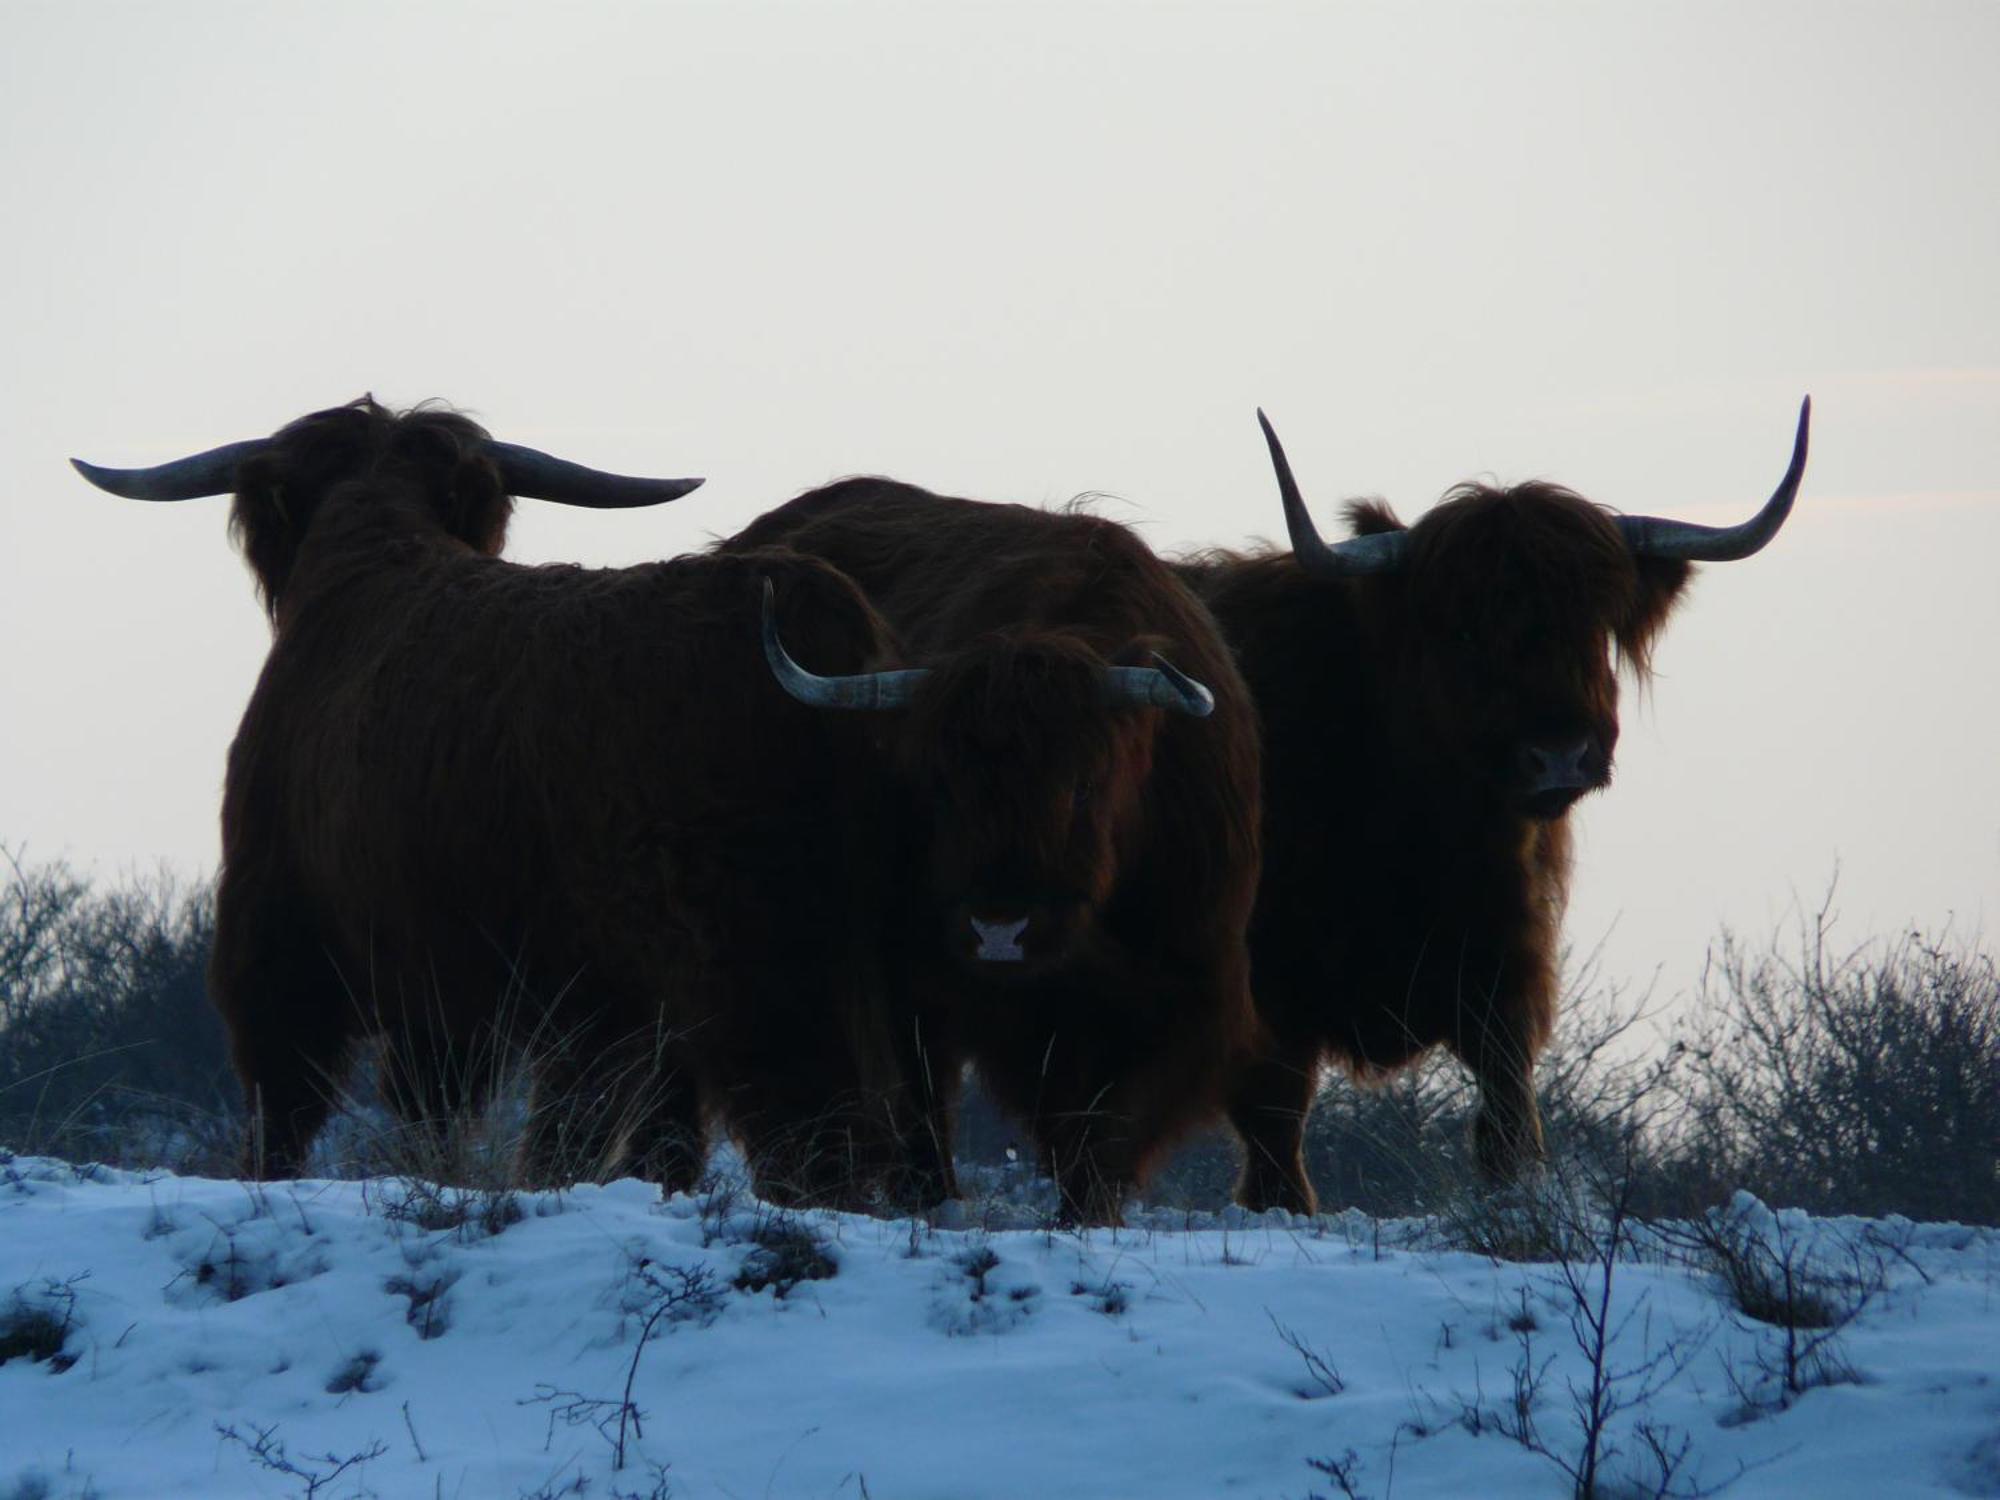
473	802
1413	890
281	489
1125	838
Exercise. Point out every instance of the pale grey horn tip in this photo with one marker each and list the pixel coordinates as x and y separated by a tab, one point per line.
1201	705
1162	685
773	647
1196	699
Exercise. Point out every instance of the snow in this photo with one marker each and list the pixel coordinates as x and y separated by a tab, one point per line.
1190	1356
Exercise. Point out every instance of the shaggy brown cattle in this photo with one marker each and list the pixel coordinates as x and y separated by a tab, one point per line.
473	801
1434	700
1084	829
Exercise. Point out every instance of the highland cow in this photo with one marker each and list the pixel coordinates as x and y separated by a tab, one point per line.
1079	758
1434	700
474	804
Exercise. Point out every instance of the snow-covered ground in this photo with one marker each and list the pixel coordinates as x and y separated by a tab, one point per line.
221	1340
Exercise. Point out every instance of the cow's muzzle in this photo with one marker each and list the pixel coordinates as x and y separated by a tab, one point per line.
1553	774
999	942
1007	940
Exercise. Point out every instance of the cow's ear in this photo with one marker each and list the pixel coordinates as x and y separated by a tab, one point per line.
268	517
476	504
1663	583
1372	517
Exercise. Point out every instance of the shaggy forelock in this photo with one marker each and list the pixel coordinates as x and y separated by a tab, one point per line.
1534	551
1010	688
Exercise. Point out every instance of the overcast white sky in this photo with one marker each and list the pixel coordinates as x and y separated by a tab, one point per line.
1018	252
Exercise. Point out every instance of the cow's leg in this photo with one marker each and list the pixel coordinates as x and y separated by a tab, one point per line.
424	1066
1268	1105
418	1081
437	1085
820	1122
604	1083
290	1018
848	1102
932	1066
1087	1149
1081	1133
567	1136
811	1145
1507	1131
1107	1096
668	1139
1160	1069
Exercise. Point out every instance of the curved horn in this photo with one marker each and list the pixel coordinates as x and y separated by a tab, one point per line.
536	475
210	473
1162	685
524	471
1380	553
867	690
1657	536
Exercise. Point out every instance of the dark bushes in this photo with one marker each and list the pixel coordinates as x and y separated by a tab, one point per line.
1862	1080
1859	1081
108	1047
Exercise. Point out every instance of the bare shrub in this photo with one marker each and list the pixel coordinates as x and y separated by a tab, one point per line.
1319	1369
1344	1471
784	1252
660	1297
1609	1449
37	1323
1613	1387
111	1051
315	1471
1797	1286
1862	1080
